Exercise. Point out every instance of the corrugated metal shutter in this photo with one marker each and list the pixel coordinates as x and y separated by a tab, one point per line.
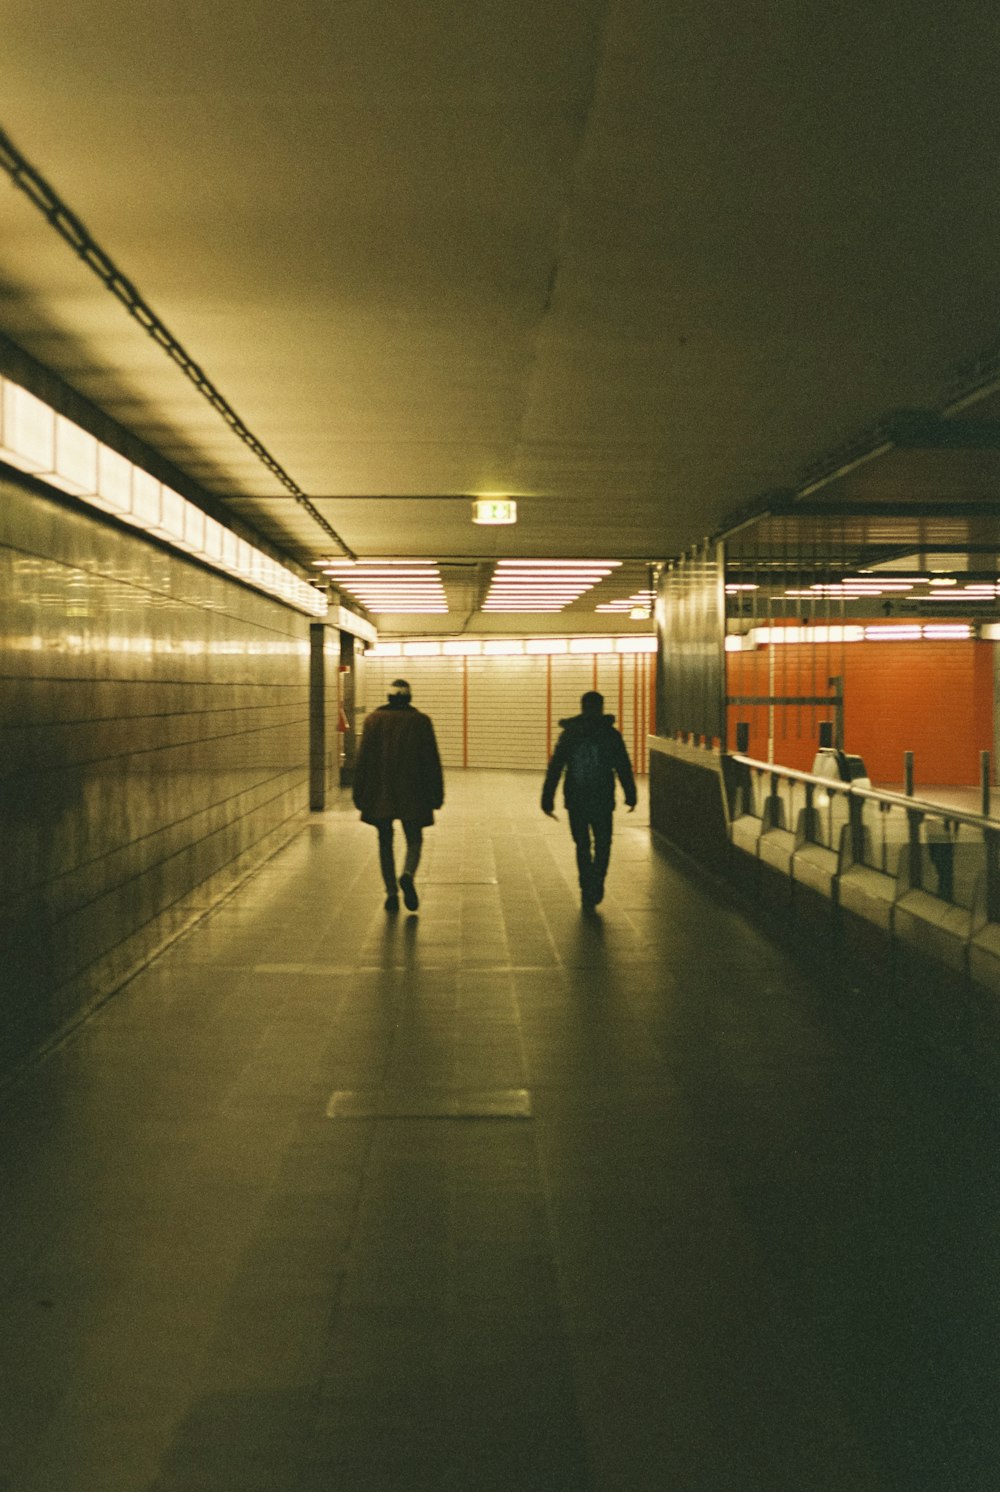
507	712
437	690
571	677
504	711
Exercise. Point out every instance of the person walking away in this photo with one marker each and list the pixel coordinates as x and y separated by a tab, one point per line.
398	776
592	753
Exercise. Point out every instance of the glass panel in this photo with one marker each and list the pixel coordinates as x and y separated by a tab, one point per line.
886	836
831	814
953	858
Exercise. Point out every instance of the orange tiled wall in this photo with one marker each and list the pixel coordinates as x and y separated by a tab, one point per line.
932	698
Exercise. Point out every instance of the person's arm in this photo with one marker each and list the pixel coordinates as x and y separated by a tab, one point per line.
625	775
361	763
432	765
552	776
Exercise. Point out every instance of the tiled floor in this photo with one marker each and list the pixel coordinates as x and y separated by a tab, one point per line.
727	1238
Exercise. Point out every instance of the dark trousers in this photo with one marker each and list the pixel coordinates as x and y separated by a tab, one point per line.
414	835
591	831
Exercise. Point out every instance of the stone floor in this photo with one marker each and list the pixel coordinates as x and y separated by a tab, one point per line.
497	1196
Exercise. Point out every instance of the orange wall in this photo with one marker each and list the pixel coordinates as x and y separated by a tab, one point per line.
932	698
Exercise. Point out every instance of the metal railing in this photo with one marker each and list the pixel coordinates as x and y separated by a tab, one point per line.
949	853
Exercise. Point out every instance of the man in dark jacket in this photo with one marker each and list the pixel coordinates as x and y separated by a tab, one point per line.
398	776
591	752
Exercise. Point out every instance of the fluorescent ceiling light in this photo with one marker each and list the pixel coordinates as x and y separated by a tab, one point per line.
892	634
145	499
27	430
530	564
635	645
35	439
592	645
74	467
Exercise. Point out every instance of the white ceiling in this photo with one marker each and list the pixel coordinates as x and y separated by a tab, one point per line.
633	262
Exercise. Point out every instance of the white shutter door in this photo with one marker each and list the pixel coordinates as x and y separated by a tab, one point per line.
496	710
507	699
437	690
572	675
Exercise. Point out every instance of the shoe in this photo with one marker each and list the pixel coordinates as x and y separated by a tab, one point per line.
597	895
411	900
392	903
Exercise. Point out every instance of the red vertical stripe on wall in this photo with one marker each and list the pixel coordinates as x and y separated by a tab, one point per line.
548	705
645	712
635	706
621	691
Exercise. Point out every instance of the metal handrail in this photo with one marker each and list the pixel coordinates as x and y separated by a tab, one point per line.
878	795
792	772
917	811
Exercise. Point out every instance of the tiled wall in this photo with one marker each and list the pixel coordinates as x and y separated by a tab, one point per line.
153	746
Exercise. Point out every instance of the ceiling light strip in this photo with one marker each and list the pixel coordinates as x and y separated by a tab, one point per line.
54	450
851	632
513	647
71	229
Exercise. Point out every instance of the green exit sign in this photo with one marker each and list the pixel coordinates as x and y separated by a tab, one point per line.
494	510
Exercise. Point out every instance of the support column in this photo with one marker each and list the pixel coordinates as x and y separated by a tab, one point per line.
317	717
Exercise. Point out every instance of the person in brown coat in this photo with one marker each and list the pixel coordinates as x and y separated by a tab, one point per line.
398	776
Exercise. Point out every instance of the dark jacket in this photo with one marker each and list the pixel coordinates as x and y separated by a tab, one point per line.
591	752
398	770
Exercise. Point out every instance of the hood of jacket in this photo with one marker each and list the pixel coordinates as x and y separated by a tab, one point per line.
587	725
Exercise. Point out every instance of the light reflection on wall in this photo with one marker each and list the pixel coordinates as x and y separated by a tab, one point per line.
156	730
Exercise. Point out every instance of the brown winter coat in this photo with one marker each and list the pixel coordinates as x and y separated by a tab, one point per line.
398	770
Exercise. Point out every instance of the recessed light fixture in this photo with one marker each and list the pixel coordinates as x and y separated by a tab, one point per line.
400	586
543	585
639	605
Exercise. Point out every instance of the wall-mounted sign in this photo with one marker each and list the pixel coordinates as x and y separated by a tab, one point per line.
494	510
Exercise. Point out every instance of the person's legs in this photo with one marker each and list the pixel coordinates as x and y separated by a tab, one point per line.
602	825
414	843
579	827
386	856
